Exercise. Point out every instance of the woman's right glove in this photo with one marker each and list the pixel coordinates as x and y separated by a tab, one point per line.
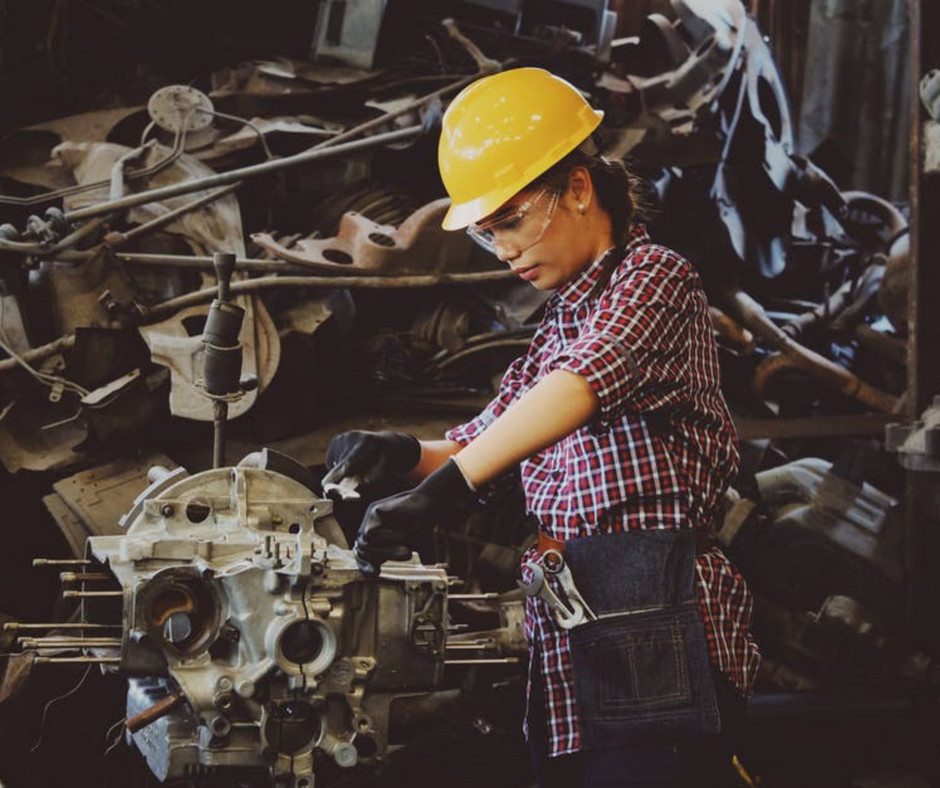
370	457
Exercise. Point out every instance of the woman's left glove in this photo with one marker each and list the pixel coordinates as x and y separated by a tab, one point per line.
390	524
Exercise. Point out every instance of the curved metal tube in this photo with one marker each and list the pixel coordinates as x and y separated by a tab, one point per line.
175	152
891	215
817	366
731	331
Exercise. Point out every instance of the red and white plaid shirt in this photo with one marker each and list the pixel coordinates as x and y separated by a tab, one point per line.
659	454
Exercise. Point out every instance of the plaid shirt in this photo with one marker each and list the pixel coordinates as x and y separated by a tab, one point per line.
659	454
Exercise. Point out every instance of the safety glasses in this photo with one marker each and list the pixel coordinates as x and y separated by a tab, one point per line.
517	227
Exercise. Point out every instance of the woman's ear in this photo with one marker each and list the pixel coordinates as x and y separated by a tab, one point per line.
581	188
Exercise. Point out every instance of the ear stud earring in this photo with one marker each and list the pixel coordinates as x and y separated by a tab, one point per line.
580	207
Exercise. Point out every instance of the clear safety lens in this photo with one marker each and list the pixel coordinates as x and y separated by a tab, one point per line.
519	226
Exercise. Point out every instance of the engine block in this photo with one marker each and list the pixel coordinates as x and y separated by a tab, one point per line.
249	636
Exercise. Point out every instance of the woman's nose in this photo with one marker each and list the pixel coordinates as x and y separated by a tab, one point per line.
505	253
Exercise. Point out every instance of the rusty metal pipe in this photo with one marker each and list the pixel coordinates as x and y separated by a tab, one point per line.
159	709
731	331
82	577
883	345
753	316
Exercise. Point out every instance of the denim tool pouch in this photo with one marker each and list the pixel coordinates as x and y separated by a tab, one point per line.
642	666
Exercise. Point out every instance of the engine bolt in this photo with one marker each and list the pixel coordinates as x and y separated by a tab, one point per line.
167	510
245	688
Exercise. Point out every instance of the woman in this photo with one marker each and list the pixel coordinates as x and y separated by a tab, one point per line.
625	444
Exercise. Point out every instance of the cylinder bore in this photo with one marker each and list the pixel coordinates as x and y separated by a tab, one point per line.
308	644
292	727
180	612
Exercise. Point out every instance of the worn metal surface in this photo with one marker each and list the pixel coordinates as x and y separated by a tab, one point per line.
417	245
91	502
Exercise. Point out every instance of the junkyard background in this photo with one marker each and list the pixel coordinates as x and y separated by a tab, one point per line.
790	153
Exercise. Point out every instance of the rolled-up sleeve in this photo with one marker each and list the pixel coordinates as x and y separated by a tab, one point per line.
630	353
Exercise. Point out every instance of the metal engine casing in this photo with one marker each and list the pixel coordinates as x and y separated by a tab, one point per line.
240	598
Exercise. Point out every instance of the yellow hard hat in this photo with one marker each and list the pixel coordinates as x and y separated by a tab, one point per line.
503	131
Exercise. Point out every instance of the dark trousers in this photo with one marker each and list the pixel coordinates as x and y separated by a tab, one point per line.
653	762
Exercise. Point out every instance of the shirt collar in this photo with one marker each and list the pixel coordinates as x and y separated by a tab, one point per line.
572	294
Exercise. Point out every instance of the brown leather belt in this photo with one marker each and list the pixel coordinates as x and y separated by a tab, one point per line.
546	542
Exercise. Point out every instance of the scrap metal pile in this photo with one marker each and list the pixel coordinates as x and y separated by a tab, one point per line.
320	177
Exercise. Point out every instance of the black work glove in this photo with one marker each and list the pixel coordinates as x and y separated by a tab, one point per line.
370	457
390	524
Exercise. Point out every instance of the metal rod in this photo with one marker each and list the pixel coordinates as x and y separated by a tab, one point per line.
12	626
36	354
467	597
269	282
219	417
67	642
225	178
81	577
119	239
814	426
150	715
85	660
500	661
471	646
250	264
90	594
59	561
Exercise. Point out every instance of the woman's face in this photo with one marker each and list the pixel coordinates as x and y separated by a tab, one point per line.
544	236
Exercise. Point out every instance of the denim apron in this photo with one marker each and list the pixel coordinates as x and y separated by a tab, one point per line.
642	667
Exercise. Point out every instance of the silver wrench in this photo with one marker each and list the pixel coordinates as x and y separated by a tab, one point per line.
556	564
567	617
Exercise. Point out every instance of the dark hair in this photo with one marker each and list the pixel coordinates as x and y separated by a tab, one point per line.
619	192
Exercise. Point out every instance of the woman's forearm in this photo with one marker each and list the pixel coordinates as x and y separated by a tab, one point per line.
556	406
433	455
